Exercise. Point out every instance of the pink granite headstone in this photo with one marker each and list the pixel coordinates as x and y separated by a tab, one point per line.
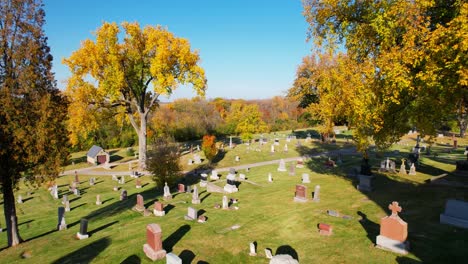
153	247
393	231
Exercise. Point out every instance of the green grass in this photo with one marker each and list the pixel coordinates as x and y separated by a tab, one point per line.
248	153
267	215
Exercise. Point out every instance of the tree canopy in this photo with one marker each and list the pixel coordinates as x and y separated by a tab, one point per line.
128	76
33	135
408	59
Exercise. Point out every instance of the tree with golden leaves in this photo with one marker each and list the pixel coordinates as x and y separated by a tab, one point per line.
128	76
209	147
33	135
246	119
417	54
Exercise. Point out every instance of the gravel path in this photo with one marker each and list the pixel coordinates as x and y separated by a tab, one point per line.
93	170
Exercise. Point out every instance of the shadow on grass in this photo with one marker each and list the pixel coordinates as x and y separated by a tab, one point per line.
102	227
97	182
26	222
27	199
74	199
187	256
303	133
78	206
85	254
107	200
114	158
204	197
120	206
422	204
41	235
168	208
133	259
372	229
287	249
175	237
219	157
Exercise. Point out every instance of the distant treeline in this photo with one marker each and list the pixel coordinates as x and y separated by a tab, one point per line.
190	119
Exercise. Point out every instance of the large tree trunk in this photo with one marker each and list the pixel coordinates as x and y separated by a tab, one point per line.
142	142
462	124
9	210
462	119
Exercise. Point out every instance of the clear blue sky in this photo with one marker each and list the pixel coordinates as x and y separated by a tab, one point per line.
249	49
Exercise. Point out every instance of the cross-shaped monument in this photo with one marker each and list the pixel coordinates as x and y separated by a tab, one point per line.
395	208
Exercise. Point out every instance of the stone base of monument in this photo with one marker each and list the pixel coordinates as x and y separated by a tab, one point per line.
152	254
282	259
392	245
197	201
139	208
186	217
456	213
159	213
230	188
81	237
172	258
146	212
167	198
300	199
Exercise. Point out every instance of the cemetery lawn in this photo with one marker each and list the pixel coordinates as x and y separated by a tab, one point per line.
266	215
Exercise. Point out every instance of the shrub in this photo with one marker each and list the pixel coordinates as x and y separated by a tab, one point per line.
163	162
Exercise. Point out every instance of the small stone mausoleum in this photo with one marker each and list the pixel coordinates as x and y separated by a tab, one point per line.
96	155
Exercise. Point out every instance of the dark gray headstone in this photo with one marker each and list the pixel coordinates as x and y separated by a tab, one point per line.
61	213
456	213
84	226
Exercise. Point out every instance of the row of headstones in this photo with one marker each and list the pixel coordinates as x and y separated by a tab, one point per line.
305	178
280	258
121	180
196	160
62	225
389	166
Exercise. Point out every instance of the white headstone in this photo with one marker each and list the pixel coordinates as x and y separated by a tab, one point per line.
282	165
270	179
195	198
253	251
317	193
98	200
214	175
167	192
225	202
191	214
412	170
305	178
